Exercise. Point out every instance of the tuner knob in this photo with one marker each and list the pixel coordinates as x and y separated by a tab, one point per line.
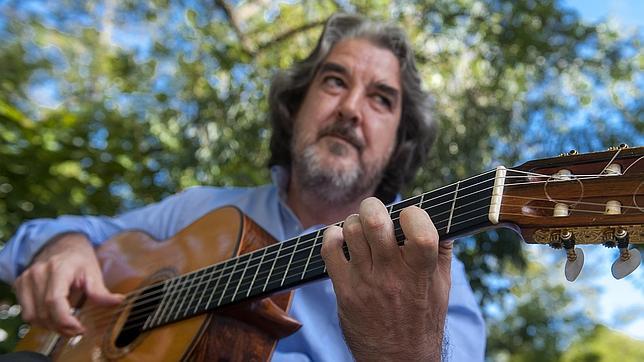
628	260
626	263
574	257
574	263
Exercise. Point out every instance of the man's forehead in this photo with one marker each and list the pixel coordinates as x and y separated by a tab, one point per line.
361	57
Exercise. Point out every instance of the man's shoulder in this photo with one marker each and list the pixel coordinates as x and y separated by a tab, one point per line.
222	195
199	191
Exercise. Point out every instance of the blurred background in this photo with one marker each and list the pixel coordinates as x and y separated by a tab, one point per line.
109	105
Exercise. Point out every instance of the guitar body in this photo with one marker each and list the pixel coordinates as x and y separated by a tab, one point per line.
132	260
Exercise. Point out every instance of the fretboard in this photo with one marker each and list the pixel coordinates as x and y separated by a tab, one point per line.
455	210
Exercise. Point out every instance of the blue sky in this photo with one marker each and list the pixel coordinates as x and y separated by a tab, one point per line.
628	13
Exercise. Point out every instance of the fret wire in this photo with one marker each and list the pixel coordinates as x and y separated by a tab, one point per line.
180	286
228	281
451	212
317	235
201	275
246	277
152	318
259	266
212	294
240	279
170	296
183	299
288	265
273	266
203	291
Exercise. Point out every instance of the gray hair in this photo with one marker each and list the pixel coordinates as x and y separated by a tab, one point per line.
417	129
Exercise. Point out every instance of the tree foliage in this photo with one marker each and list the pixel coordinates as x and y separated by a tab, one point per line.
109	105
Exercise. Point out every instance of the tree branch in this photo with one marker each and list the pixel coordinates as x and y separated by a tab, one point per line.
289	33
234	22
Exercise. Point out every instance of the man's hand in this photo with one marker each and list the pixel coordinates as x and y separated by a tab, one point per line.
392	300
66	265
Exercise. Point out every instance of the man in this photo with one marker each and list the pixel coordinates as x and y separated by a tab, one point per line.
350	122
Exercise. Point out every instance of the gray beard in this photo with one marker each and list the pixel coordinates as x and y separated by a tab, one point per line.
330	184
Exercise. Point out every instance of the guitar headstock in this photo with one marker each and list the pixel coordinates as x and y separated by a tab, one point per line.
573	199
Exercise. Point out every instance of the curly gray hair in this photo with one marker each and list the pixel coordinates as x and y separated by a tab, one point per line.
417	129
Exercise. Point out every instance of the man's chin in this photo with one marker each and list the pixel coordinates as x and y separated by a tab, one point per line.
339	165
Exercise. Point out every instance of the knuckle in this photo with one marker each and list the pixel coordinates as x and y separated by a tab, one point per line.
50	301
391	289
374	222
27	315
426	240
325	251
41	316
352	228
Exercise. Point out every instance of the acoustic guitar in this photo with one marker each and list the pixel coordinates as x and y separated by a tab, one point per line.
219	289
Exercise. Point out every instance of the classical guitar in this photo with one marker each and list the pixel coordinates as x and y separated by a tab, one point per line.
218	290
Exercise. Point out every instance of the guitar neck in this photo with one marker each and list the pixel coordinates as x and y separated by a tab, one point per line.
457	209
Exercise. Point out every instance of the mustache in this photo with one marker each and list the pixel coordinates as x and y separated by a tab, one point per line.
344	130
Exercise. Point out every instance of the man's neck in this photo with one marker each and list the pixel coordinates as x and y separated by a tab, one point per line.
311	209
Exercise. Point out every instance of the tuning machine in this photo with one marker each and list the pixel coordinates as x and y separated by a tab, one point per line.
574	256
628	259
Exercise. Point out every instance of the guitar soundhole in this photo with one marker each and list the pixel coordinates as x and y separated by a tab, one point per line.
143	306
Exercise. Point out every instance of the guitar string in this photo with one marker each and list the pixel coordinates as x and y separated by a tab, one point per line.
316	264
238	282
225	290
221	273
339	223
445	195
314	268
424	201
450	200
224	273
250	258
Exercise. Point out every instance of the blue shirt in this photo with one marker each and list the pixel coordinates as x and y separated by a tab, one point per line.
314	305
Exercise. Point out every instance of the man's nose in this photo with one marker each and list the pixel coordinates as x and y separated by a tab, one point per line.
349	107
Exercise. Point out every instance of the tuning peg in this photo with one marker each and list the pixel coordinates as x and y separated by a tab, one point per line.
626	263
574	256
628	260
574	263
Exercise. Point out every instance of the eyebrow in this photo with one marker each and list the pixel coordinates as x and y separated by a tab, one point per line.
333	67
337	68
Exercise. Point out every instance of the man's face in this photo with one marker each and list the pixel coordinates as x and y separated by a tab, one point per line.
345	129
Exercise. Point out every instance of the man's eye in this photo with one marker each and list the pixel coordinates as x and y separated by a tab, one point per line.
334	81
383	100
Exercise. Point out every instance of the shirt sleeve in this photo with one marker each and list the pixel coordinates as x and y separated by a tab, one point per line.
465	328
160	220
